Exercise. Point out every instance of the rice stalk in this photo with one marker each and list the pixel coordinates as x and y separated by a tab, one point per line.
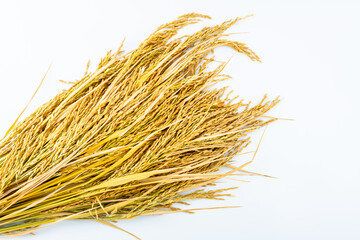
131	138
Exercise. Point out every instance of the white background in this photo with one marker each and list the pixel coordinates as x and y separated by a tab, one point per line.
310	52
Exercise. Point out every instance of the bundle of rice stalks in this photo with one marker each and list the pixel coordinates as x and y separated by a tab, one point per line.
131	138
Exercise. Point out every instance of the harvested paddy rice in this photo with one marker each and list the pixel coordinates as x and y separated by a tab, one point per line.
132	137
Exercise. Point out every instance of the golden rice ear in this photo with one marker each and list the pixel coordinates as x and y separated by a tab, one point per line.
131	138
